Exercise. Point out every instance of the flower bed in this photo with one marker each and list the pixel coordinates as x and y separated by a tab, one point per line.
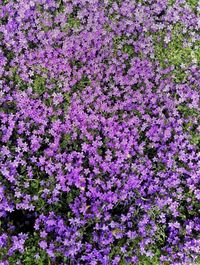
99	132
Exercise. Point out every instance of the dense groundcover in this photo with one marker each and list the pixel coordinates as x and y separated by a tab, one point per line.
99	132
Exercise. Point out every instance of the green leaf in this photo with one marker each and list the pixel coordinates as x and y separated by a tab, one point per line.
39	85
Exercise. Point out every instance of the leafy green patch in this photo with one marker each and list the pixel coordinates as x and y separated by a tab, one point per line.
128	49
186	111
173	52
72	23
33	254
195	139
144	260
65	141
171	2
193	3
80	85
39	85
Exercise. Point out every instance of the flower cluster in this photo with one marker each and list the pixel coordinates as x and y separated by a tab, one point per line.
99	132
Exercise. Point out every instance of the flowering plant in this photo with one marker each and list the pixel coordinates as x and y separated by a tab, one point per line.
99	132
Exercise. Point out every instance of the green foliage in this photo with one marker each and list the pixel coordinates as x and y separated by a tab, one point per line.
39	85
72	23
4	2
28	257
195	139
171	2
65	141
193	3
80	85
144	260
174	53
186	111
190	126
63	205
61	6
107	27
128	49
77	63
8	107
17	79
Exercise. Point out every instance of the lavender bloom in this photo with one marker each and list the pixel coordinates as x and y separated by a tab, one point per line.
99	132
